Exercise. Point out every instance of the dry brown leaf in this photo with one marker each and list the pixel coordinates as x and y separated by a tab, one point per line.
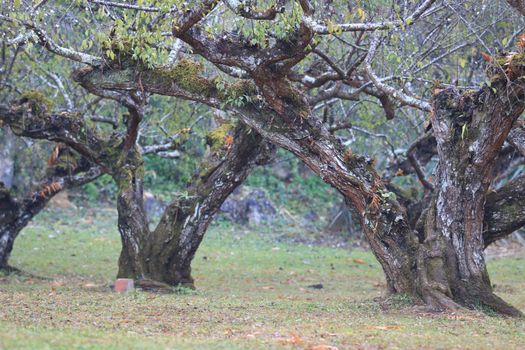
322	347
293	340
359	261
54	156
384	328
57	283
521	41
228	140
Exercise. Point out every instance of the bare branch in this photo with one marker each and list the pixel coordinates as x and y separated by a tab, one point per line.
182	25
397	94
51	46
71	54
517	138
125	6
108	120
244	9
415	164
371	26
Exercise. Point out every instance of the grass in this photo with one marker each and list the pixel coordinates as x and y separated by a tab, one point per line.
252	293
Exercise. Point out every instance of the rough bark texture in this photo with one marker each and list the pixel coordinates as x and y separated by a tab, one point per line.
470	129
165	254
7	163
517	137
283	117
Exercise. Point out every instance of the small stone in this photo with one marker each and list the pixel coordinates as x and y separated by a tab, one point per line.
124	285
316	286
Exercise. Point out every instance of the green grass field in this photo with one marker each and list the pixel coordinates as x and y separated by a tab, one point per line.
252	294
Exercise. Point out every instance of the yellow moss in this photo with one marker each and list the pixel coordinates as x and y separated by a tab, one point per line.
39	103
218	136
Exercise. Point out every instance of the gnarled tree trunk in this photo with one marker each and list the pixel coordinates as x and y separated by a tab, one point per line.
165	254
470	129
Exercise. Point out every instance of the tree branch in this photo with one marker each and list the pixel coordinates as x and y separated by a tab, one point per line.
371	26
516	138
51	46
397	94
505	210
244	9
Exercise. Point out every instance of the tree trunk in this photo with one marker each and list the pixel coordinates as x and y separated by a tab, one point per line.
165	254
132	218
9	211
7	163
470	130
519	5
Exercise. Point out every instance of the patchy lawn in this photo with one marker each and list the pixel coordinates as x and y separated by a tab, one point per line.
252	294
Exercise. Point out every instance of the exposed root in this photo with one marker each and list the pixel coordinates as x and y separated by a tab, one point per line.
486	301
498	305
9	270
13	271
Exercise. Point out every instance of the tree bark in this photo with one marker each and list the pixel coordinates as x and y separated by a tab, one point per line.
164	255
7	163
470	129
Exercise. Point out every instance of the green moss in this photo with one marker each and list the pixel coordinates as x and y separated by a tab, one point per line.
296	101
518	59
229	93
127	175
187	74
39	103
